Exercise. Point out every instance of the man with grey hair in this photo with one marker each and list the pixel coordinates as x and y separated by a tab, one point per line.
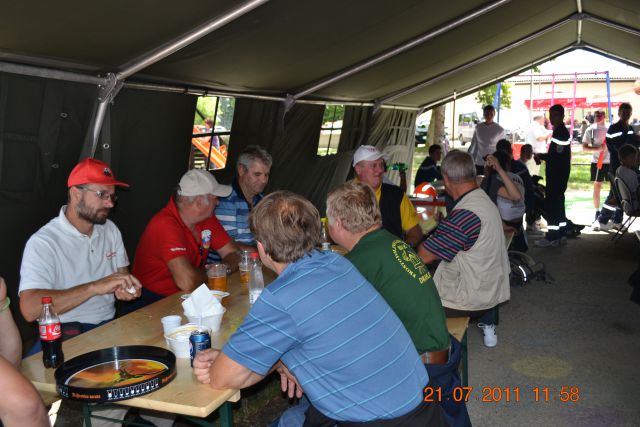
395	270
173	248
473	276
253	167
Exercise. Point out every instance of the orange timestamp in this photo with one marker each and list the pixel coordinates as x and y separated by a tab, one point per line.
565	394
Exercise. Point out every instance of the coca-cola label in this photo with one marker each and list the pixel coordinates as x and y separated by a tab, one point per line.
50	331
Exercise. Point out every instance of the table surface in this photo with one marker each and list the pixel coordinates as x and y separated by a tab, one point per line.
184	395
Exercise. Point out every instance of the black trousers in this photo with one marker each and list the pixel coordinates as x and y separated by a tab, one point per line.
554	204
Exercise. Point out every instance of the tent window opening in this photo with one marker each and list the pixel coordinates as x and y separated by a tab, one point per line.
211	132
331	129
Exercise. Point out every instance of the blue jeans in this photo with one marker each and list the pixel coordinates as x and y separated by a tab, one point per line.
294	416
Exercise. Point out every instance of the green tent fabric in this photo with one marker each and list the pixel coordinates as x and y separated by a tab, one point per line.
283	46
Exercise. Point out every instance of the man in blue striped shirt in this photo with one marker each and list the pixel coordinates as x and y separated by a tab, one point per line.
325	328
253	167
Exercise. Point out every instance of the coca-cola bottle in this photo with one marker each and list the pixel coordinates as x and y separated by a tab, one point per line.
50	335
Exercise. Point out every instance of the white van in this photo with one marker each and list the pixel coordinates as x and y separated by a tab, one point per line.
467	126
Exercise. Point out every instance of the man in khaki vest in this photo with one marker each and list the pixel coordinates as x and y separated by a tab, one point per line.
473	276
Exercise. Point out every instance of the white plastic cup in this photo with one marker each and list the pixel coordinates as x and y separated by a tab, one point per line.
169	323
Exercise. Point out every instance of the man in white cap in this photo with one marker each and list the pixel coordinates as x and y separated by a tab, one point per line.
173	249
399	217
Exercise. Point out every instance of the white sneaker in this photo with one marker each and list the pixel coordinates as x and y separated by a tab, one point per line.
544	243
606	227
490	337
595	226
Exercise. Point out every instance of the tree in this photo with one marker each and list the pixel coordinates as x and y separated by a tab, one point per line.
436	126
486	95
333	113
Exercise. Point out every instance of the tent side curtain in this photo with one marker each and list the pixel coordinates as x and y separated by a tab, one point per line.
150	146
393	131
42	128
292	141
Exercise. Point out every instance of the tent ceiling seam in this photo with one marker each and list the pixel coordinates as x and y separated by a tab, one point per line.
460	93
398	49
478	60
167	49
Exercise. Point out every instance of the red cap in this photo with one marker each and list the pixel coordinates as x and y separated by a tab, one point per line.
254	255
46	300
92	171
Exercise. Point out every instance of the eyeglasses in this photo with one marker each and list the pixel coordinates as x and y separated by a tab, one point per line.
102	195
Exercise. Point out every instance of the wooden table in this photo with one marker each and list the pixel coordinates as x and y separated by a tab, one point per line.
184	395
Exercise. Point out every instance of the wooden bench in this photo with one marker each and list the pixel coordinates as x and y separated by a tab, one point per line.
457	327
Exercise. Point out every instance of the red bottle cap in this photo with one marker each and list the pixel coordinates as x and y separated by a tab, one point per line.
254	255
46	300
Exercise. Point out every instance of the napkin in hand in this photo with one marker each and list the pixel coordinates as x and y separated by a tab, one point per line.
202	303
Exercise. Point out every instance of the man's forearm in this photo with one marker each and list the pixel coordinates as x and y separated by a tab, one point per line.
10	344
413	236
63	300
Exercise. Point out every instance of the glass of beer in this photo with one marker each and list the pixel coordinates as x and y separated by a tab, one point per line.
217	277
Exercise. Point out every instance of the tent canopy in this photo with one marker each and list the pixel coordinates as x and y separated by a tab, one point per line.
283	47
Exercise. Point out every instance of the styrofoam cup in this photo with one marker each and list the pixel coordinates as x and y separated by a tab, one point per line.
169	323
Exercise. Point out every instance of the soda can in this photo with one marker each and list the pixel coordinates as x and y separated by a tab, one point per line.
198	340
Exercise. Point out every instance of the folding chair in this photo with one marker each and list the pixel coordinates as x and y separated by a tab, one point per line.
626	203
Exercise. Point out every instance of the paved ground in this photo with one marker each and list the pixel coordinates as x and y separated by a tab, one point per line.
582	332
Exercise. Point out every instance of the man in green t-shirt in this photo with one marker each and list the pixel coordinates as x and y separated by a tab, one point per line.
399	275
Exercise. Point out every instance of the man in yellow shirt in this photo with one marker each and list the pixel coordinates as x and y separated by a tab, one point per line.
399	217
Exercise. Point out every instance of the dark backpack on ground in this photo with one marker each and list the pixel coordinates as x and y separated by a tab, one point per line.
525	269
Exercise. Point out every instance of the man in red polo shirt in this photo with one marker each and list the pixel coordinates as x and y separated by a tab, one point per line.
173	249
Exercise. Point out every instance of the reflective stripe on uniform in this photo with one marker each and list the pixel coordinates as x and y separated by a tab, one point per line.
630	132
611	208
560	142
553	227
614	135
563	224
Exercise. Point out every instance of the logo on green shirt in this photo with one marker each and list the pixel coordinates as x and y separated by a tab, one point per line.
410	262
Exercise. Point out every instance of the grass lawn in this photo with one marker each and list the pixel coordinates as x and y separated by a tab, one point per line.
580	178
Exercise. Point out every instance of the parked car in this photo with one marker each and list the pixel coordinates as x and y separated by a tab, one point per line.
467	126
422	127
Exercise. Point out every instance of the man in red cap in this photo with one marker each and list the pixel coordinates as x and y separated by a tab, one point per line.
78	258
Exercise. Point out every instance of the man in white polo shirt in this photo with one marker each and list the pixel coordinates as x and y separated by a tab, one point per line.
78	258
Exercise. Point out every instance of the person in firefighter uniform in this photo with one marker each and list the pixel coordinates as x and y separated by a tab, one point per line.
558	166
618	134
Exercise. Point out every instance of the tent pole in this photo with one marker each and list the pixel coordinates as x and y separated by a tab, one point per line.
610	55
531	97
109	90
610	24
186	39
479	60
609	98
553	88
50	73
474	88
573	105
453	119
410	44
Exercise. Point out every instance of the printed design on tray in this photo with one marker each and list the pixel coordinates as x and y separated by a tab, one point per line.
116	373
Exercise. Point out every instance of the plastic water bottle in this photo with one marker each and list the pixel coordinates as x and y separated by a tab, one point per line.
50	335
256	281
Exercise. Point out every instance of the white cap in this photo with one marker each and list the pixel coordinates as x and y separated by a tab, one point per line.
198	182
369	153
